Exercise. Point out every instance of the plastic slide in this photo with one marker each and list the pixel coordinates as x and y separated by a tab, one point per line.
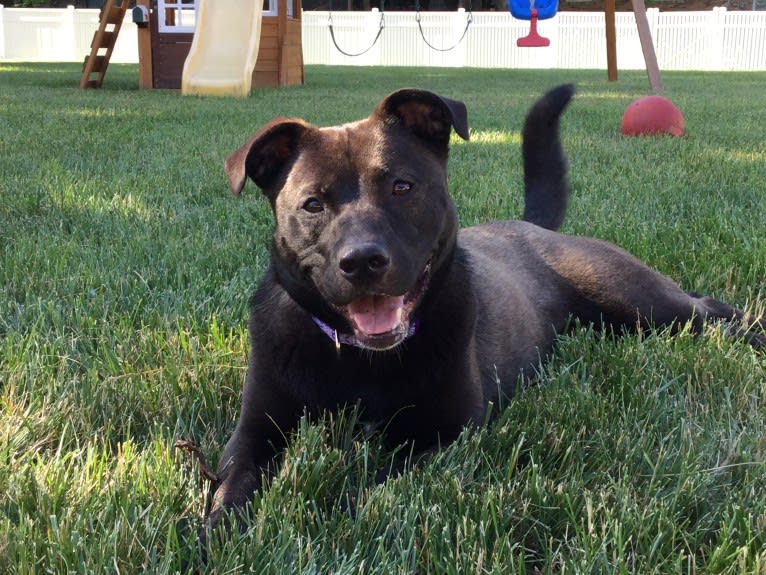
225	47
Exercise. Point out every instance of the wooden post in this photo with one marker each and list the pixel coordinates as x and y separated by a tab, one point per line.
284	51
299	48
611	41
647	46
145	78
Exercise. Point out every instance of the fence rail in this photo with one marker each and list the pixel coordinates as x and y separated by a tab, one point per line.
58	35
713	40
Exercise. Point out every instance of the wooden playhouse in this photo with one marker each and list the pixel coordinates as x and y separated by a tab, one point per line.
165	43
166	32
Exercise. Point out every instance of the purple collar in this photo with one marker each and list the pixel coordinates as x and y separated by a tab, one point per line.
350	339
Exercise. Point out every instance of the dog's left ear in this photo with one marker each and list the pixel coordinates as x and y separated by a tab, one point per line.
428	115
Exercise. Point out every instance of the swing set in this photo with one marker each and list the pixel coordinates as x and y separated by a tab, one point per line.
532	10
382	25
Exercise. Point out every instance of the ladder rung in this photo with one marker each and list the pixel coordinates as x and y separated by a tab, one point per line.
106	40
103	40
99	64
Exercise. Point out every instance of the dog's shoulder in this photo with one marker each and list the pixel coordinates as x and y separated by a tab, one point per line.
509	255
503	235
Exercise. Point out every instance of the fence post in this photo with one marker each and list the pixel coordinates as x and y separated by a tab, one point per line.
2	32
69	35
553	31
717	33
457	60
653	15
372	57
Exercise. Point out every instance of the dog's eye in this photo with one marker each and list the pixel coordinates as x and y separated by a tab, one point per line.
313	206
401	188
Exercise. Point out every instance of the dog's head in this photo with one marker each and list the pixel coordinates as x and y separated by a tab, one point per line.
363	215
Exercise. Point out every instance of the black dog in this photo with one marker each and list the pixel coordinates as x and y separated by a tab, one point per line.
374	297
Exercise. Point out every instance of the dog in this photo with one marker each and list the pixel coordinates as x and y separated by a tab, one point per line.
375	298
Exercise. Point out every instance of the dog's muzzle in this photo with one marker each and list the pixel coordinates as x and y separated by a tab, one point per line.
381	322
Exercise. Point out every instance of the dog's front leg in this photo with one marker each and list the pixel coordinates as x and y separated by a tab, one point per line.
266	418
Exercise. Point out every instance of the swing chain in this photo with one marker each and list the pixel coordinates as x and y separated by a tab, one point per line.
330	21
469	17
381	25
468	20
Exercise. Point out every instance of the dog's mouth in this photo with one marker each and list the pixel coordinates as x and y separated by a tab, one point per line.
381	322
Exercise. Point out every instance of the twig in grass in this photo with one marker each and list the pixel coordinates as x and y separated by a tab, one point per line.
196	453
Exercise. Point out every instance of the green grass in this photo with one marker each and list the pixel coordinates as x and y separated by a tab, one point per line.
125	269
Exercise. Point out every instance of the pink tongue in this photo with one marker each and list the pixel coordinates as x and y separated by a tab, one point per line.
375	314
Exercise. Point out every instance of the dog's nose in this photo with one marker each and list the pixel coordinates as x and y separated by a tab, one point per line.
367	261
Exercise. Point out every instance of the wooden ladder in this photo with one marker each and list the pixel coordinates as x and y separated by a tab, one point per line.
110	22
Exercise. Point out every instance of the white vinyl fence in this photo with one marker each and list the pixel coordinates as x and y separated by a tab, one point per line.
58	35
714	40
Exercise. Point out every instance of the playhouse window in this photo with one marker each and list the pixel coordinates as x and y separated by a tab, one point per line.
179	15
176	15
270	8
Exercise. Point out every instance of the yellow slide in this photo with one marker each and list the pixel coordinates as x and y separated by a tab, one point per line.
225	47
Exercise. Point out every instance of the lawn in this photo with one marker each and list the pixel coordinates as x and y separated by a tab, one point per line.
125	271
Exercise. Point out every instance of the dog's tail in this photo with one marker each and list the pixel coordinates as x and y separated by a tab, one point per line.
546	190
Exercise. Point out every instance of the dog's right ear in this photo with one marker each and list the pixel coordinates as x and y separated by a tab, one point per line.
428	115
265	154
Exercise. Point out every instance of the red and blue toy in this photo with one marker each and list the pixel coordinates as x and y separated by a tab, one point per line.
533	10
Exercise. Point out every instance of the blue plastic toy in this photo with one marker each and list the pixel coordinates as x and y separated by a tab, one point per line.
522	9
533	10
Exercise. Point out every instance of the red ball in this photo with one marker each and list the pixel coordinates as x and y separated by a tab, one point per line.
652	115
